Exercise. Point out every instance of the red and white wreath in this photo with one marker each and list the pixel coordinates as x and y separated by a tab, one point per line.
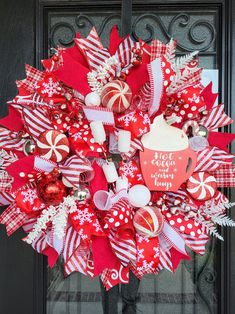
111	158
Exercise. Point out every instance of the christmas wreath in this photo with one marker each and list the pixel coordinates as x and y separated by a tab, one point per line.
111	158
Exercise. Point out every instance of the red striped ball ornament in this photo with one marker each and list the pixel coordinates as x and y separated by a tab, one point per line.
148	221
116	96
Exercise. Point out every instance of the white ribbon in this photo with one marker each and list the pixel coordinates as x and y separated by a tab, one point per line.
104	200
156	84
99	114
173	238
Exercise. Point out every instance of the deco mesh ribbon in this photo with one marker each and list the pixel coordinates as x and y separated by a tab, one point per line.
112	159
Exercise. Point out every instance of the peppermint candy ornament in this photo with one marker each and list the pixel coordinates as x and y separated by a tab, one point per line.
53	145
116	95
201	186
148	221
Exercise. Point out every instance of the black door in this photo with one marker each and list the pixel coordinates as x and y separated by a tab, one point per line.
29	28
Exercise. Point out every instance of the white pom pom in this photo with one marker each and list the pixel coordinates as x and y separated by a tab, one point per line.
92	99
139	195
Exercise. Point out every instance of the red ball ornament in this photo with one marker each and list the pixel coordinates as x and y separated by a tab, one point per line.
53	145
51	191
148	221
116	95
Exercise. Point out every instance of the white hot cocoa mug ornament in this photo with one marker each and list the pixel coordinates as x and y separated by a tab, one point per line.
167	160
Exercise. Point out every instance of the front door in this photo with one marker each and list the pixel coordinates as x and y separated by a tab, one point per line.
30	29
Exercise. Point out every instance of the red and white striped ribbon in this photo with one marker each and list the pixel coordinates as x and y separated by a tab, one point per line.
11	140
77	170
125	250
91	42
75	253
196	244
36	121
165	261
216	118
209	159
124	51
6	198
96	58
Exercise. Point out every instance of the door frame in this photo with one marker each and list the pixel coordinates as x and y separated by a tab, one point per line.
38	264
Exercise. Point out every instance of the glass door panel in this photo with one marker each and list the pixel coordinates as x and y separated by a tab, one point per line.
192	289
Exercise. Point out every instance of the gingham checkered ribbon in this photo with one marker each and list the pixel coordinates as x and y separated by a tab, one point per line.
13	219
32	77
158	49
5	181
225	176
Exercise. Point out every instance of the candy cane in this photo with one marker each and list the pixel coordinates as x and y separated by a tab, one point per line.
193	124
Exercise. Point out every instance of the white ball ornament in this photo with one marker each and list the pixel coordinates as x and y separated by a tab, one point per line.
139	195
93	99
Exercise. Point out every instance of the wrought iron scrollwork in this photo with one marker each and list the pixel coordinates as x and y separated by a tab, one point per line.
82	22
206	278
201	43
199	34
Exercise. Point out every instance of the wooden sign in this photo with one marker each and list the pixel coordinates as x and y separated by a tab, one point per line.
167	160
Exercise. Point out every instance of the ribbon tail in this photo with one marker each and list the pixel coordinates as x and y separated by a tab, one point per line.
156	84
